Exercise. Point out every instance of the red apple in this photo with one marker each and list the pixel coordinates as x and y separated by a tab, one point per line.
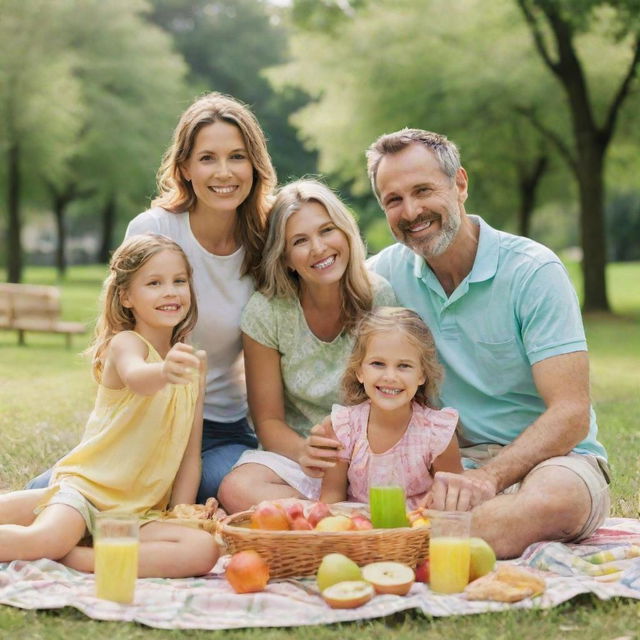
271	516
318	511
294	510
361	522
301	524
247	572
423	571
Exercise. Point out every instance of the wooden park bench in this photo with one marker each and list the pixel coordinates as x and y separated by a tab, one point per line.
29	307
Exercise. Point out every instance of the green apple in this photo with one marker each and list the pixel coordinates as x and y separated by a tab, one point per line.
483	559
336	568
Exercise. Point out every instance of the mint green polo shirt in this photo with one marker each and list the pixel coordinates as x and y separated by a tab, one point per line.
516	307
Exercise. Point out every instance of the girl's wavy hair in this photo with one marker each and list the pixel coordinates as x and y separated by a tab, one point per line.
127	259
385	320
176	194
280	281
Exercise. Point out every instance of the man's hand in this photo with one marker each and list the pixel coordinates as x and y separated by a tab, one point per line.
320	450
460	491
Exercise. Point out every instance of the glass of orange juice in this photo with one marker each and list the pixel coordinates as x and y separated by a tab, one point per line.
449	550
115	545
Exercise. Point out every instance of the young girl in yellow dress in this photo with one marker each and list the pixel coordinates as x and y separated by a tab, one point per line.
140	452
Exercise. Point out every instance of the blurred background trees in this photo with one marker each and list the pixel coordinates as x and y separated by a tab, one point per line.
540	95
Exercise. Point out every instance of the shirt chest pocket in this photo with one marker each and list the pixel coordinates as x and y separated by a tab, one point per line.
500	366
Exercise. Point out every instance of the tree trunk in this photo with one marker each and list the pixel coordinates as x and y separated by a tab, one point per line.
108	222
14	246
59	206
528	183
592	225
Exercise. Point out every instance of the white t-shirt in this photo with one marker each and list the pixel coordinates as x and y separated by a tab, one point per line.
222	294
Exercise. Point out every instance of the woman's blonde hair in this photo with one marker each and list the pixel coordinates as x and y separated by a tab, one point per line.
280	281
175	192
387	319
127	259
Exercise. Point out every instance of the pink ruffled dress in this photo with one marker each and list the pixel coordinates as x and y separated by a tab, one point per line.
427	436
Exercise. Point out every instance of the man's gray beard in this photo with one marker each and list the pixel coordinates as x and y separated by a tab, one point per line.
434	247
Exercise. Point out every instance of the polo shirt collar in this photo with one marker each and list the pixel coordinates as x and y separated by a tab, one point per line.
486	263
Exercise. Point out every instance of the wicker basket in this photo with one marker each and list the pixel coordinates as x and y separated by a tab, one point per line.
298	553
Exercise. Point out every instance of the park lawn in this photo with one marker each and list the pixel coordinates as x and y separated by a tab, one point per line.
46	393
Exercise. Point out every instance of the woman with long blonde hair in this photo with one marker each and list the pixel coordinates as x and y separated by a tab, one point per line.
297	333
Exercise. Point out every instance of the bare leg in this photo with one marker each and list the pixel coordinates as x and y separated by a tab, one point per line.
251	483
52	535
166	551
17	507
553	503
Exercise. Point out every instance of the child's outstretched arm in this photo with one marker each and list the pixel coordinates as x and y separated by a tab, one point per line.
185	486
126	365
334	480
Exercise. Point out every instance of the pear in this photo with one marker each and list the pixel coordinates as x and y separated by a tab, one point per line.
336	568
483	558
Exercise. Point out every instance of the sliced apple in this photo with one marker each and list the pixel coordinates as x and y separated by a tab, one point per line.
349	594
389	577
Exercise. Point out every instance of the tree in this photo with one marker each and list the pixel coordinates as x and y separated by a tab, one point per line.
132	87
39	109
555	27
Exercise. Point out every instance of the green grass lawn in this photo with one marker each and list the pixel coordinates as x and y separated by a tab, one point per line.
46	393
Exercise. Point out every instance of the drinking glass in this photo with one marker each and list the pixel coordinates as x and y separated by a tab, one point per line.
387	501
449	550
116	545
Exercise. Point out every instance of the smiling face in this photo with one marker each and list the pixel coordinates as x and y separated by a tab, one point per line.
219	168
422	204
159	295
390	370
315	247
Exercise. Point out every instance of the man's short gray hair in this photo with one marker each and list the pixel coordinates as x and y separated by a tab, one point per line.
445	151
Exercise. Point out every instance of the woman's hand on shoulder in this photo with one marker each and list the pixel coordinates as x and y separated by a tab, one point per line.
183	363
319	449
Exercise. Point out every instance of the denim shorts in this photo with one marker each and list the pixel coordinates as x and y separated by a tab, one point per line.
222	444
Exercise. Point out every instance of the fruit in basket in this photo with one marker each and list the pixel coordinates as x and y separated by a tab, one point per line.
300	524
335	523
335	568
271	516
348	595
361	522
389	577
483	558
318	511
423	571
294	510
247	572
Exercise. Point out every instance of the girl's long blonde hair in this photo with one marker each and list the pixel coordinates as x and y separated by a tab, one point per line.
279	281
127	259
387	319
176	194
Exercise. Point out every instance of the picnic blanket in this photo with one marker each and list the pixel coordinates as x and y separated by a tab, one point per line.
607	565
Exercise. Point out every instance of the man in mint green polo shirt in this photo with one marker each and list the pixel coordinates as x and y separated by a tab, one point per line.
507	325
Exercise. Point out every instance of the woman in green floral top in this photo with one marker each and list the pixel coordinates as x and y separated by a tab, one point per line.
297	335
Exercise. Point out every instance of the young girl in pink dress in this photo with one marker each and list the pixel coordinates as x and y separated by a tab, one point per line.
390	386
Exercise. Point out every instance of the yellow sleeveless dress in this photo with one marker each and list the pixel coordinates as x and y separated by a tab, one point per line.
131	448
